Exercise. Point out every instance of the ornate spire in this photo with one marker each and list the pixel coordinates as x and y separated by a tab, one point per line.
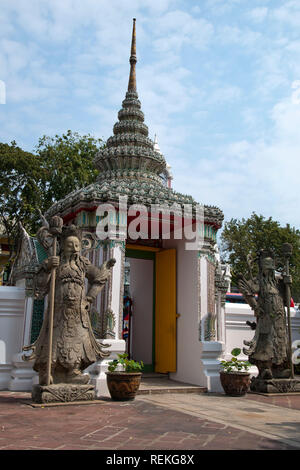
131	164
156	146
133	61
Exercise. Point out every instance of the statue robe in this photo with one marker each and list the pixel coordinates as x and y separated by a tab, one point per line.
74	345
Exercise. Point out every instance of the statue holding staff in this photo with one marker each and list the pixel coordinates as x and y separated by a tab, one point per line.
269	349
70	345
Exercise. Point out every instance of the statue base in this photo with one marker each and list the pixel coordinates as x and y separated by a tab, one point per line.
275	385
63	393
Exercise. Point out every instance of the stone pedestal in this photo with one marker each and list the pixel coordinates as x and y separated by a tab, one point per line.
275	385
12	302
211	352
22	374
62	393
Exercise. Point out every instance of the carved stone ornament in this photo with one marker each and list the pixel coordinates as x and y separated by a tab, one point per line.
25	262
221	283
210	327
62	393
275	385
109	321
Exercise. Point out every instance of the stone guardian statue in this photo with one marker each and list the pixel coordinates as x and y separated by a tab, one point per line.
269	348
71	345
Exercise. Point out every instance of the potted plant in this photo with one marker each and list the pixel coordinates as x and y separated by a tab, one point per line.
124	384
234	376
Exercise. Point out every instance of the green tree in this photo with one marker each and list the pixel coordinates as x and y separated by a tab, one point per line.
247	236
20	193
30	181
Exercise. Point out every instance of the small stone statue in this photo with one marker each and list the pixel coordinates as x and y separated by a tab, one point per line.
266	295
74	346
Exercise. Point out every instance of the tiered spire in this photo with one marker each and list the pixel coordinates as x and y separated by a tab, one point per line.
133	61
129	152
130	165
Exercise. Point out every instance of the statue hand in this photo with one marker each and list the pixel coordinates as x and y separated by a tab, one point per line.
287	279
53	262
110	263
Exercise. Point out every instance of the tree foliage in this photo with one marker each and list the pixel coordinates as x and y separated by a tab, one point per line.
247	236
66	164
20	194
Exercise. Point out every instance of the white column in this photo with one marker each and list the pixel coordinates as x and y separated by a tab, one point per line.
221	321
211	352
12	301
22	375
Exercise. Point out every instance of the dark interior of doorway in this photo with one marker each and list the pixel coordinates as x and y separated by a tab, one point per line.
130	309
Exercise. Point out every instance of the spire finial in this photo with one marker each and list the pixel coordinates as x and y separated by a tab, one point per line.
133	61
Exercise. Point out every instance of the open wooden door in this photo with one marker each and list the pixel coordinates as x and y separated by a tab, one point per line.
165	311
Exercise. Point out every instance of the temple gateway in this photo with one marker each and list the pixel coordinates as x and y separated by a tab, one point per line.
164	303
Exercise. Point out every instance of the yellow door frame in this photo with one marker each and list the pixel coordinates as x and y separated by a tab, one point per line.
165	312
164	304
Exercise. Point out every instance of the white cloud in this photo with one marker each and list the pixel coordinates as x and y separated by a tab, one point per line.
286	117
258	14
178	28
260	176
244	36
15	56
288	12
219	7
223	93
65	65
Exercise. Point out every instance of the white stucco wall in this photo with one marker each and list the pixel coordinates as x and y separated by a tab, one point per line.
237	331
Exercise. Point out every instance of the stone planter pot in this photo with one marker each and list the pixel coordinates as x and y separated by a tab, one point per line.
235	384
123	385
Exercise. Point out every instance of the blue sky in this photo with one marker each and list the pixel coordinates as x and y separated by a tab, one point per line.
219	83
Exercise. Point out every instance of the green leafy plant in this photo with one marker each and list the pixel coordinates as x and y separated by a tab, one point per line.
129	365
234	365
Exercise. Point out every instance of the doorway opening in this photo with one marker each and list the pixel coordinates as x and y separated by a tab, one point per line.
139	307
149	314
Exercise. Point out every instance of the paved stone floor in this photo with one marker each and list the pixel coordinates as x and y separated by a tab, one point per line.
153	422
